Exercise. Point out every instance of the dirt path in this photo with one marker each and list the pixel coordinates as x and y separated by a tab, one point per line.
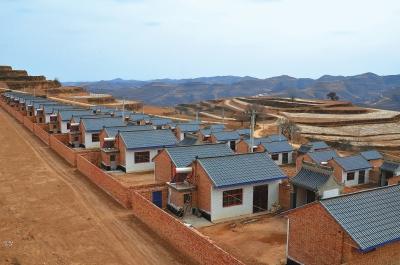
51	214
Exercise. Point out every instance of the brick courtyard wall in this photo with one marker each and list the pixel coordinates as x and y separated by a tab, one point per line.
39	131
187	240
28	123
19	116
87	165
147	191
57	143
394	180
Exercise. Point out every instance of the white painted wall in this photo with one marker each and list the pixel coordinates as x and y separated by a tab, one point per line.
280	160
47	118
88	141
64	127
350	183
219	212
330	193
130	165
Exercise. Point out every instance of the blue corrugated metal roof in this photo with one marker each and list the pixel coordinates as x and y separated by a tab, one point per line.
390	166
66	114
244	132
188	127
96	124
148	139
371	155
323	156
182	156
277	147
370	217
48	109
226	135
313	146
160	121
139	117
351	163
112	131
241	169
311	177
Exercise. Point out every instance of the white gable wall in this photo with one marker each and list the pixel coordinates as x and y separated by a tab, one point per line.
130	165
219	212
63	128
350	183
88	141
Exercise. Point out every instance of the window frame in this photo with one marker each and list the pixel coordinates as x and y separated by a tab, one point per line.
277	157
94	135
352	178
232	198
141	157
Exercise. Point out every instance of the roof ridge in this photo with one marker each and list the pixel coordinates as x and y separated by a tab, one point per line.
234	154
197	145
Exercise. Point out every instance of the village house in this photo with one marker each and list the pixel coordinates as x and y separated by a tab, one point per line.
320	157
281	152
389	173
90	127
184	129
244	144
351	170
173	166
160	123
139	119
376	160
109	152
313	182
65	115
230	138
235	185
356	228
205	133
30	106
134	150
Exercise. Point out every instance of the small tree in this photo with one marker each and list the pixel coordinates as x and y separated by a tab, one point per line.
57	82
288	128
332	96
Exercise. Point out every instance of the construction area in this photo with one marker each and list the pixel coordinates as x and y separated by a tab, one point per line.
51	214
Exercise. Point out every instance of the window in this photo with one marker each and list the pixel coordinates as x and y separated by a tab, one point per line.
68	126
142	157
350	176
232	145
361	177
275	157
95	137
232	197
112	158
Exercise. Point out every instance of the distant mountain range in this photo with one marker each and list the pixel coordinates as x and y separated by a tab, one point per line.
366	89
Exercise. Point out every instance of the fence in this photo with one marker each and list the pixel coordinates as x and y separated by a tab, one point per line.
187	240
87	165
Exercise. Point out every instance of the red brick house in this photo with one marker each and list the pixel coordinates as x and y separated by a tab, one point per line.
350	229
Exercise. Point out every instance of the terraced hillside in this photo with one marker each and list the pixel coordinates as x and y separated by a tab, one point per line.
338	122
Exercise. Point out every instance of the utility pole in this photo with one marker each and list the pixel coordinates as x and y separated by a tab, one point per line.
252	130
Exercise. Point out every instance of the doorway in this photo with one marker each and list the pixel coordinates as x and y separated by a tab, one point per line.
285	158
157	198
260	198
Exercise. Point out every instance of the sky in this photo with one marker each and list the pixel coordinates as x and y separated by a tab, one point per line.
89	40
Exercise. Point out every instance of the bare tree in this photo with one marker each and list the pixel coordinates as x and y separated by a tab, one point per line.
288	128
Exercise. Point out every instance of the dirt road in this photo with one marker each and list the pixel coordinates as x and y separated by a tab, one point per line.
50	214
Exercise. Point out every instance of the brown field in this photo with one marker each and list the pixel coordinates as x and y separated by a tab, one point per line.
260	241
51	214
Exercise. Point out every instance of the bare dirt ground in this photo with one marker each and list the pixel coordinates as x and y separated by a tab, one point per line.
256	243
51	214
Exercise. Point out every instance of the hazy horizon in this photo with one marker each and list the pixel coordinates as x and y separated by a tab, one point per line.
153	39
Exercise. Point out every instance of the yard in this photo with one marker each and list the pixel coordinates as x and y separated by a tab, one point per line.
255	240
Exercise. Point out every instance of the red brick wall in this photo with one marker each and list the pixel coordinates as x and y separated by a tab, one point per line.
28	123
203	188
19	116
163	167
57	143
87	165
394	180
41	133
147	192
314	237
242	147
337	170
187	240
